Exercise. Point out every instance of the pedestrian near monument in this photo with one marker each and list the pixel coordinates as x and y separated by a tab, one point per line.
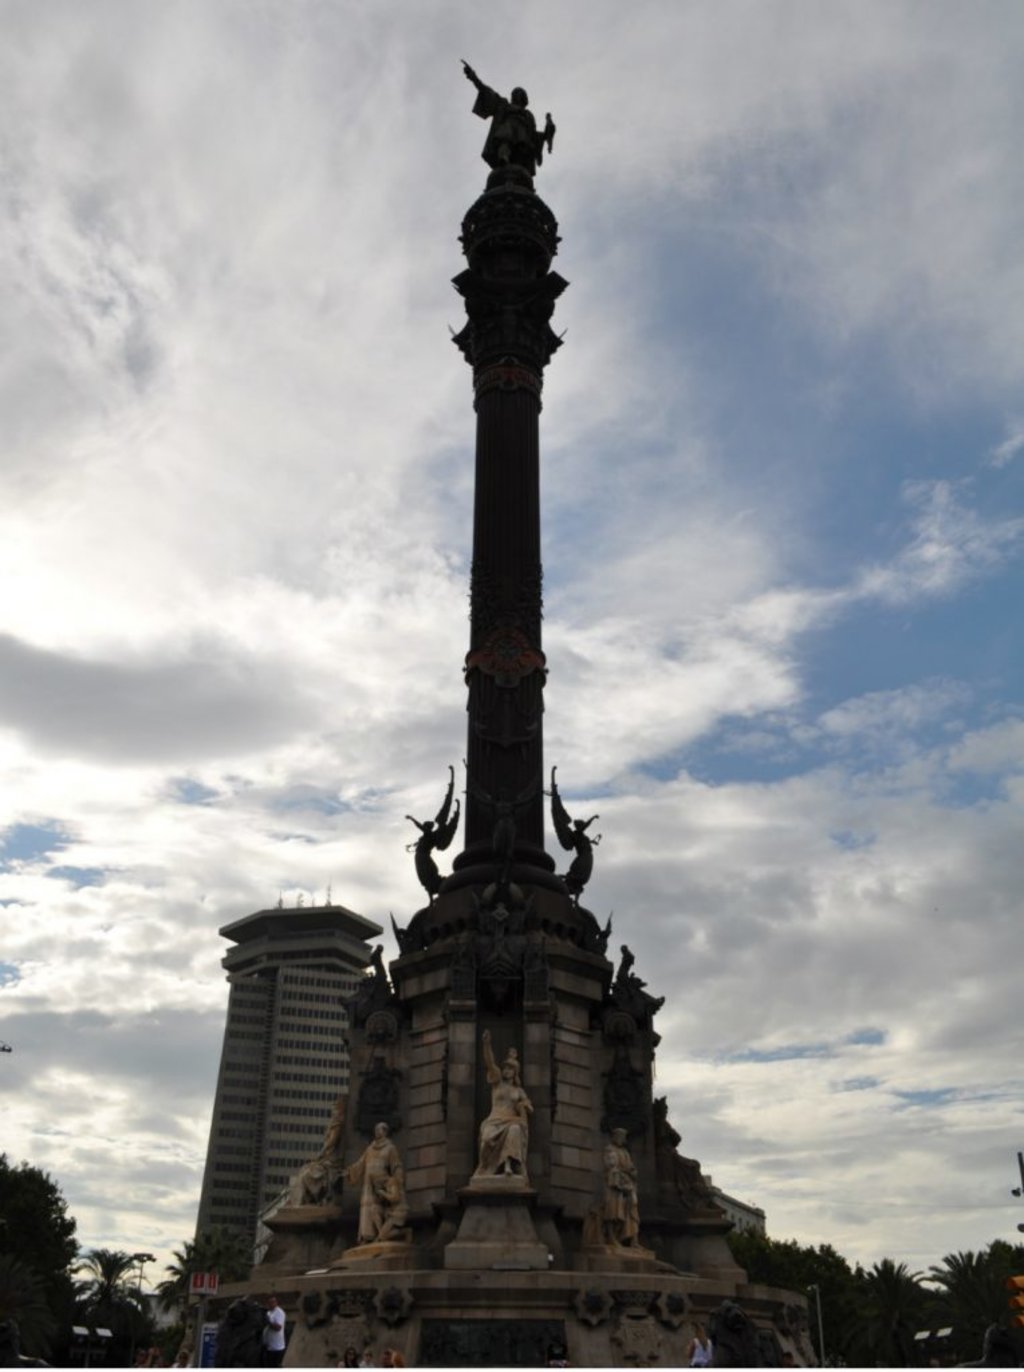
700	1348
273	1334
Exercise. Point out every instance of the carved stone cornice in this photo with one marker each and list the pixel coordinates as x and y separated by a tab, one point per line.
509	318
509	217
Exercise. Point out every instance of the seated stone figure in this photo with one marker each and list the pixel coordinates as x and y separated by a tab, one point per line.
505	1133
320	1180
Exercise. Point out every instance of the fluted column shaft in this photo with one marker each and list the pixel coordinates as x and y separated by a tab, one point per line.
509	237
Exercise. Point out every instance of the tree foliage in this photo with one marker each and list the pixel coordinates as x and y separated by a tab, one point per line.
108	1298
23	1298
35	1227
871	1317
37	1248
971	1291
893	1306
219	1249
787	1264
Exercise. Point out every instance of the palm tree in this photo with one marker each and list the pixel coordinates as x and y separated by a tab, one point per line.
226	1252
109	1298
173	1290
108	1282
893	1306
972	1292
219	1249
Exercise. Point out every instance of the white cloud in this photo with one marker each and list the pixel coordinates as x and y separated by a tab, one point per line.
888	715
952	544
1004	453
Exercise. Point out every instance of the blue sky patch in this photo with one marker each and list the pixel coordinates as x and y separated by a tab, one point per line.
27	842
856	1084
79	876
9	974
188	792
868	1036
785	1053
941	1096
322	802
851	841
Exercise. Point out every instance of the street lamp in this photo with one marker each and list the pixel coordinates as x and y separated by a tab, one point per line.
821	1328
141	1259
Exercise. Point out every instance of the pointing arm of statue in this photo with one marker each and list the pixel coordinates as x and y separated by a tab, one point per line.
491	1069
471	75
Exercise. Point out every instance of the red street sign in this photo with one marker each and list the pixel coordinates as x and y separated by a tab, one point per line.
202	1284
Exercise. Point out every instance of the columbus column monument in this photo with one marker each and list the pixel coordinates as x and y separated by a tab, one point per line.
502	1186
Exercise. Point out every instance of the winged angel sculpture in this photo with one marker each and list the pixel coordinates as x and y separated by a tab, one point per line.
573	836
435	836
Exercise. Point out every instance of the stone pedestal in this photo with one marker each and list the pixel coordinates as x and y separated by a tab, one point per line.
489	1318
304	1237
385	1257
496	1231
613	1258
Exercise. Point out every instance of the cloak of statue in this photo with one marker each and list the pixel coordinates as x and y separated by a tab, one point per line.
512	127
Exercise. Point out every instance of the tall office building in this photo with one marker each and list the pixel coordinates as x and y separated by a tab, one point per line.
285	1056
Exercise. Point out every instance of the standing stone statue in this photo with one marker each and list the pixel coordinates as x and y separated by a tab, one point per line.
505	1133
383	1208
513	139
618	1215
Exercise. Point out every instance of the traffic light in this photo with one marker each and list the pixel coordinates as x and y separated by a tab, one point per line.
1015	1286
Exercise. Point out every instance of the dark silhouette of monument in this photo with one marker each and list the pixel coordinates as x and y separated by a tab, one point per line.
528	1191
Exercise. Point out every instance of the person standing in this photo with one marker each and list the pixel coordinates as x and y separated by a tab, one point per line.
700	1348
273	1334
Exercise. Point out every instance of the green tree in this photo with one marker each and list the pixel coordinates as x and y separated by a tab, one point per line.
219	1250
35	1226
23	1298
787	1264
108	1298
971	1292
894	1307
37	1244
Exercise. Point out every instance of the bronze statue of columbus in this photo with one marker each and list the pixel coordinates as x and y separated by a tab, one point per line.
513	139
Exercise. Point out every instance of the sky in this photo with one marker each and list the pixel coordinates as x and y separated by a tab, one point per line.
782	454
